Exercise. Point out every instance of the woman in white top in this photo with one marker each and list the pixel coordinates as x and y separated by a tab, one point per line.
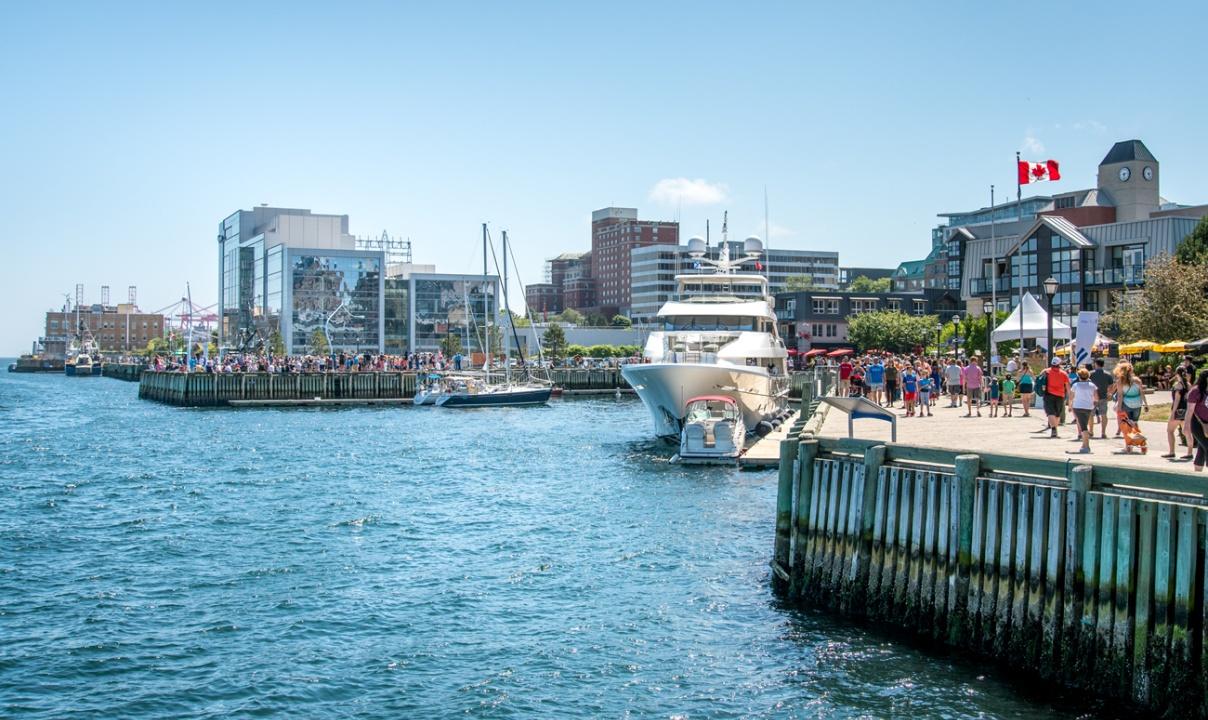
1085	394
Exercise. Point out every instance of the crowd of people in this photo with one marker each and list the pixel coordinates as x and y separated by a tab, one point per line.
336	363
1064	393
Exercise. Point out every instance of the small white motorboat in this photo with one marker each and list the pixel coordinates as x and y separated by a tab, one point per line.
713	430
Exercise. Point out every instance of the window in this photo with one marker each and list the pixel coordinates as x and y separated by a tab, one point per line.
920	307
1063	202
895	305
1066	261
826	306
863	305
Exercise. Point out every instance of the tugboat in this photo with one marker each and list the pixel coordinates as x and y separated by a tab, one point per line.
83	357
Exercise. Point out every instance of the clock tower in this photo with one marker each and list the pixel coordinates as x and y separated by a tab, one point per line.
1129	174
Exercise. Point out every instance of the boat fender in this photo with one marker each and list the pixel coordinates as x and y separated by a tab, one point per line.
763	428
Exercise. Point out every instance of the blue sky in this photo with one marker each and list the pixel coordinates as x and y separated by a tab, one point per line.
129	130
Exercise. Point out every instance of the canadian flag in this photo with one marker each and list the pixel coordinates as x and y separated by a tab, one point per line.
1030	172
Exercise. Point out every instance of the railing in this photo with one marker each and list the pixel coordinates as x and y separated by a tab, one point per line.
1090	577
985	286
1131	275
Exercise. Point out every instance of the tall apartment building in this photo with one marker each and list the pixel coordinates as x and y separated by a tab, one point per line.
615	232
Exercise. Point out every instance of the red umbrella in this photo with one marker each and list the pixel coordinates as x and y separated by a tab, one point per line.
815	352
840	352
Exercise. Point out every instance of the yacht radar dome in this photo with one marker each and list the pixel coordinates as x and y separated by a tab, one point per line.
696	246
753	245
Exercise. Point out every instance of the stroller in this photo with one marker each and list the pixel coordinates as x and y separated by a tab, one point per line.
1132	433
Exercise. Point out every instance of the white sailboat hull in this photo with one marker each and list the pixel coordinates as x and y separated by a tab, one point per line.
665	389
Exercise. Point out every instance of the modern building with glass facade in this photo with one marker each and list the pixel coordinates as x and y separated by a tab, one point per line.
297	274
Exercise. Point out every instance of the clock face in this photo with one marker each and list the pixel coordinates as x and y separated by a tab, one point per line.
1147	173
1125	174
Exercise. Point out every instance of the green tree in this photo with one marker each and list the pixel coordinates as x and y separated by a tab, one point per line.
1171	305
621	321
450	345
890	330
863	283
318	343
276	344
629	350
974	335
1193	250
554	341
596	320
575	350
570	316
800	283
156	346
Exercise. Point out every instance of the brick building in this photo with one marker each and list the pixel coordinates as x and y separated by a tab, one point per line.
115	328
614	233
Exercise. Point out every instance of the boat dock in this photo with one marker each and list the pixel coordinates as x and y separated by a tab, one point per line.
1086	572
316	389
764	452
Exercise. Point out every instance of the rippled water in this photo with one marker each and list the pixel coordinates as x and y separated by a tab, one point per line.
409	562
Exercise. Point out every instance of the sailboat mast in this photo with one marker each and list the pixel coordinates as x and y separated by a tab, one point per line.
486	362
507	306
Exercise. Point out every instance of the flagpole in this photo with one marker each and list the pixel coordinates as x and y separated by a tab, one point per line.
1019	218
993	282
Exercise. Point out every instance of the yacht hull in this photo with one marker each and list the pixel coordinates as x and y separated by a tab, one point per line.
500	398
665	389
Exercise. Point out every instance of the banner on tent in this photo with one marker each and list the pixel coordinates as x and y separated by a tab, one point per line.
1088	330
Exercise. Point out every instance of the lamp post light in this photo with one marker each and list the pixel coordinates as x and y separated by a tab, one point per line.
956	345
939	327
988	311
1050	289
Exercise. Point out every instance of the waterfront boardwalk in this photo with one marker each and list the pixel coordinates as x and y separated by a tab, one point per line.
948	429
1083	571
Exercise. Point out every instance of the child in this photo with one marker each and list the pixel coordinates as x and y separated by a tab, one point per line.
925	383
995	391
1008	394
910	387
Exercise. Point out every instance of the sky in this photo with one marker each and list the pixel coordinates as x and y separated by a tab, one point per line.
129	130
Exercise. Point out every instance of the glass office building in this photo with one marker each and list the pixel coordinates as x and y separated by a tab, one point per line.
451	304
337	293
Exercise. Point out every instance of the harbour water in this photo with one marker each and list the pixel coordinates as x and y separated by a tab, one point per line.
411	562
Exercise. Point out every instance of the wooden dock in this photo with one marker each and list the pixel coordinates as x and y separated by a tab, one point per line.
317	389
764	452
1091	577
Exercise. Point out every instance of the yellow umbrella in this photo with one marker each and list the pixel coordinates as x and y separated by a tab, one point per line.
1174	346
1135	347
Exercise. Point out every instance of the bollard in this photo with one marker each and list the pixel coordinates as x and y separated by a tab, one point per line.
967	468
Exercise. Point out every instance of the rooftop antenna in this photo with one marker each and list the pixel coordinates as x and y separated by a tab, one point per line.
725	223
132	294
104	294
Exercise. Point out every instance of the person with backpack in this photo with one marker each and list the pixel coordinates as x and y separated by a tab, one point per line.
1053	385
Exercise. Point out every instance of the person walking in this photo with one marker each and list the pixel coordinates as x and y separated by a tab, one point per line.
1055	386
973	387
926	382
1026	390
891	382
995	388
1130	399
952	383
1008	395
1103	382
874	377
910	388
1195	424
1178	410
1084	394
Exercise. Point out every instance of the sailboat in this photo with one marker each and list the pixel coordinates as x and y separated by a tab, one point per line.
83	357
475	392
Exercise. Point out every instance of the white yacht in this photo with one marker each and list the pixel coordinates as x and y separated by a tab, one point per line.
718	337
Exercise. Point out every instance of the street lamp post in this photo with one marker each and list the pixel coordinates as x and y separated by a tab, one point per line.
1050	289
956	345
988	309
939	327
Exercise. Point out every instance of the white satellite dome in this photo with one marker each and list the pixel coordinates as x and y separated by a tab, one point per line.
696	246
753	245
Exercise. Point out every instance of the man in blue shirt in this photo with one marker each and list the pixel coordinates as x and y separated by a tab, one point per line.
876	380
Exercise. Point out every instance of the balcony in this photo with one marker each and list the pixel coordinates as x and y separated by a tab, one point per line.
982	285
1131	275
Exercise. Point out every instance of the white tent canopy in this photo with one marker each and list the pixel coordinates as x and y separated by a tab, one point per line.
1034	325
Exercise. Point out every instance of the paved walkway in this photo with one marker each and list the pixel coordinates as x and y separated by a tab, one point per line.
765	451
950	430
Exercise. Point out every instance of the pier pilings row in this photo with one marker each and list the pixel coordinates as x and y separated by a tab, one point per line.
208	389
1089	577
